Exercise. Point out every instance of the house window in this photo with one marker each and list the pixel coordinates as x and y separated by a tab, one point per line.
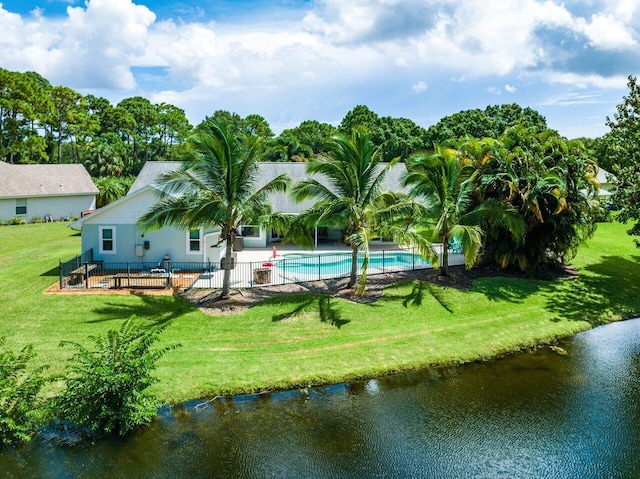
107	239
194	243
250	231
21	207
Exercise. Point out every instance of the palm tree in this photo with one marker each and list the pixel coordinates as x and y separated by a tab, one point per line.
215	187
354	199
110	189
444	183
551	185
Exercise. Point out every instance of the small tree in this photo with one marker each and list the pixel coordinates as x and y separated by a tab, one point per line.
622	146
20	402
106	388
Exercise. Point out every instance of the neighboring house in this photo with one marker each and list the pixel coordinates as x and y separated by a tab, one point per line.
111	232
607	185
45	191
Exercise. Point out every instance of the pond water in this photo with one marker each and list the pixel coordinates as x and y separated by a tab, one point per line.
534	415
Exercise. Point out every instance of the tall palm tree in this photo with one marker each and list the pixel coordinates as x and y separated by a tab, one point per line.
215	187
444	183
354	199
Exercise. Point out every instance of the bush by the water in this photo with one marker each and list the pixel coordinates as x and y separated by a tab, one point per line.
20	401
106	387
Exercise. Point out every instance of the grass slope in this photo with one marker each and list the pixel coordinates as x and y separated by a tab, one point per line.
305	339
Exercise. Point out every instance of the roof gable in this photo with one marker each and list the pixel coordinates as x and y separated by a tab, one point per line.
110	210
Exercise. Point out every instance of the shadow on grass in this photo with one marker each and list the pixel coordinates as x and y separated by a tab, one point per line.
415	298
512	290
329	314
156	309
610	288
302	303
55	271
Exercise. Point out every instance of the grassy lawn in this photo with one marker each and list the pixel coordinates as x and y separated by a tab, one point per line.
299	340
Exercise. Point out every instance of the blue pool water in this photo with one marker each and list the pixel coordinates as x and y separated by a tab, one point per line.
340	263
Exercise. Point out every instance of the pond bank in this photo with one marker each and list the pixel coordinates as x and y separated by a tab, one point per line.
536	414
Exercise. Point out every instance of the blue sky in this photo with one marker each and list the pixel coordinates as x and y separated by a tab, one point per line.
292	60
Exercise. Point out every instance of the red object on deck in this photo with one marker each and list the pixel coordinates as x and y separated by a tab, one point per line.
267	265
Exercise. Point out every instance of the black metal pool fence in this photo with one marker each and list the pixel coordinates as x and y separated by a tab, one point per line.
82	272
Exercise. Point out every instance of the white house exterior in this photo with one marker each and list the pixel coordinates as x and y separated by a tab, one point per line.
45	191
607	184
112	234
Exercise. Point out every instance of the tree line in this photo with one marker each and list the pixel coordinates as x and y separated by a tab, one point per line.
42	123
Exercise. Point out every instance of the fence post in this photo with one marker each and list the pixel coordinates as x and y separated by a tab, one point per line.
60	272
383	260
86	275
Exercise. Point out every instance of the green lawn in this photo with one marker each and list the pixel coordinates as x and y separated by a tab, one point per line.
299	340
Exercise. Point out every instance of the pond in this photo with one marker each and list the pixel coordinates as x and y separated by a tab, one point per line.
539	414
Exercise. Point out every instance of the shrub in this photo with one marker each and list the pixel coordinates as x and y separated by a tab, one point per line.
105	390
602	215
37	219
20	401
17	221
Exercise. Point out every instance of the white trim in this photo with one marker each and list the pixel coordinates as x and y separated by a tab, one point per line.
200	241
113	239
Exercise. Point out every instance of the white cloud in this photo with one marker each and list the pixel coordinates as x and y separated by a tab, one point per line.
585	81
91	47
607	33
340	50
573	99
420	87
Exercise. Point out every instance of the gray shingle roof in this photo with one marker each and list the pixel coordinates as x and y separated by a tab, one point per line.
44	180
268	171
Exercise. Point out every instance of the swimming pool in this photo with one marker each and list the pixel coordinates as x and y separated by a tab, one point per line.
338	264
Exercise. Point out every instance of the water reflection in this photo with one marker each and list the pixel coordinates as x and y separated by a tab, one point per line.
534	415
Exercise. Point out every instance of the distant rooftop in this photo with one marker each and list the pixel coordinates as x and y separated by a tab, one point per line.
268	171
44	180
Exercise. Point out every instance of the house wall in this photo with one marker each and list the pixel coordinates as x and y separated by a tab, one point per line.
168	240
259	241
58	207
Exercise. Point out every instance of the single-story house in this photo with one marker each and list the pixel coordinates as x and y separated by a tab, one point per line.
45	191
113	236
